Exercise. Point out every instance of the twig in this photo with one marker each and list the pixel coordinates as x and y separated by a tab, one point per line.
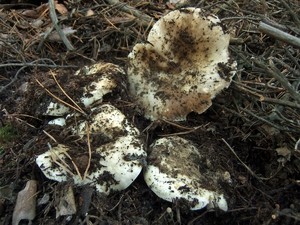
266	99
33	64
57	27
279	127
277	75
274	24
249	170
292	70
25	65
146	20
293	14
279	34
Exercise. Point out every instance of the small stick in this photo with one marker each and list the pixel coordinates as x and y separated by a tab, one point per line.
249	170
57	27
279	34
272	71
293	14
145	19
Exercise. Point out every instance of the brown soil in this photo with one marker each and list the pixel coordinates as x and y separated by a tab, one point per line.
250	130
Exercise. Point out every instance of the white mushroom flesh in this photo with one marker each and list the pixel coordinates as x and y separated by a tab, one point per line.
175	171
117	161
105	78
103	84
56	109
108	121
183	65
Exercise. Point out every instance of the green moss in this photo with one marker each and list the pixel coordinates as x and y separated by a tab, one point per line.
7	134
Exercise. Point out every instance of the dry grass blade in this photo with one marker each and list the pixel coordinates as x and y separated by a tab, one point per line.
89	149
57	98
63	91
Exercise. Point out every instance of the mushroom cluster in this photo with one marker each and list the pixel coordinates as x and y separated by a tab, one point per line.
180	69
183	65
95	81
117	160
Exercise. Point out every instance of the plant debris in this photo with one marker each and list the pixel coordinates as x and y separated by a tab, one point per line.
245	125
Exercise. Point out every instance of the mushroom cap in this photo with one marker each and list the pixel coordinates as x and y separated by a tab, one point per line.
96	81
183	65
103	84
108	121
175	171
116	161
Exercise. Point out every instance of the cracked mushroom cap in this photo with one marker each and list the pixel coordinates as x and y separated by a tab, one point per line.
95	81
183	65
115	162
175	171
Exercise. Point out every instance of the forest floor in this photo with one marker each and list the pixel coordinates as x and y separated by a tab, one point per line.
252	129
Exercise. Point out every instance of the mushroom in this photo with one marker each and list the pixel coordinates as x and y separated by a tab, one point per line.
110	78
107	121
116	161
183	65
96	81
176	170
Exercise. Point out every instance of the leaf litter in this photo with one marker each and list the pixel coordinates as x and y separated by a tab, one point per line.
257	115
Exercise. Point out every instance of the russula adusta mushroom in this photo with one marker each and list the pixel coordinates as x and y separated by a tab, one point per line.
95	81
116	161
107	121
183	65
176	171
111	76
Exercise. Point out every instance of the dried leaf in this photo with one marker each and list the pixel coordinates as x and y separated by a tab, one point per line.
61	8
66	202
54	36
36	13
26	203
90	12
284	151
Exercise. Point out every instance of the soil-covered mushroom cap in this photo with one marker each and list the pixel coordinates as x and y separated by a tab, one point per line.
108	121
183	65
175	171
117	158
110	78
93	83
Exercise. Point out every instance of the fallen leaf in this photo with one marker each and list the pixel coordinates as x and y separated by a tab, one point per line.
54	36
25	208
284	151
37	12
61	8
66	202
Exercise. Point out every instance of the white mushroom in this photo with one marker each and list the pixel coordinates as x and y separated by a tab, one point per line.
176	171
107	121
183	65
56	109
96	81
101	85
58	121
116	161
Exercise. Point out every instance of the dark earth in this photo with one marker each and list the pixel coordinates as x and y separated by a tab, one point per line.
250	131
